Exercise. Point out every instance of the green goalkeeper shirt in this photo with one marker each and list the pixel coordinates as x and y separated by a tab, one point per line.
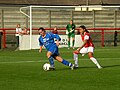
71	28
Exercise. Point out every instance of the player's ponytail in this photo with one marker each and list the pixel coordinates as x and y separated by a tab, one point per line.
83	27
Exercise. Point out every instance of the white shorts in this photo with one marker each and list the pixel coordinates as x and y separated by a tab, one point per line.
86	50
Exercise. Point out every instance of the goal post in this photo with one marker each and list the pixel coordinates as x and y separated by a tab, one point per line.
67	8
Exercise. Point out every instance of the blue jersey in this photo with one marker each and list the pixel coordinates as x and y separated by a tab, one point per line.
48	40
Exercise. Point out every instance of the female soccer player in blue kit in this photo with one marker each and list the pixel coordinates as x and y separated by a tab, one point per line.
47	39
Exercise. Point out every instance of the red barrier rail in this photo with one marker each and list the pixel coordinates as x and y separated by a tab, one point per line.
102	32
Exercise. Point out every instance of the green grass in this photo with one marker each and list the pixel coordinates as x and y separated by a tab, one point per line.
22	70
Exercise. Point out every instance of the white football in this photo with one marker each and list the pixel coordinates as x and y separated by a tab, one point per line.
46	67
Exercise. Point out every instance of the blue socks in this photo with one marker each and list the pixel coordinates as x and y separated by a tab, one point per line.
51	61
66	63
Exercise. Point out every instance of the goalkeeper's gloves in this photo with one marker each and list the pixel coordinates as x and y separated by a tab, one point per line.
71	30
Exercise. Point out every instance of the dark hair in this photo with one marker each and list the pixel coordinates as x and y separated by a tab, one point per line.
71	20
83	27
41	28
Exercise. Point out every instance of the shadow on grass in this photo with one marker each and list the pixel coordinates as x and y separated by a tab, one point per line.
111	66
64	69
85	67
102	66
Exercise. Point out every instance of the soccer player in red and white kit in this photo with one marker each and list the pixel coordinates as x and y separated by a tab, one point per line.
86	48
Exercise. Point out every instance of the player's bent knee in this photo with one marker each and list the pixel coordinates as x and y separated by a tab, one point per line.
90	55
48	55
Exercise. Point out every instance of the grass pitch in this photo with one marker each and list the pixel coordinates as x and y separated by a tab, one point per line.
22	70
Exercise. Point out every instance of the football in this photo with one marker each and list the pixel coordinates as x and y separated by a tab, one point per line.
46	67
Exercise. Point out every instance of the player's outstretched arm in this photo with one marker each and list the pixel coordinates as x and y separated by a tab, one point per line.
40	50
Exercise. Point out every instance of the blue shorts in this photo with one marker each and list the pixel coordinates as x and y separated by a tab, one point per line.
54	51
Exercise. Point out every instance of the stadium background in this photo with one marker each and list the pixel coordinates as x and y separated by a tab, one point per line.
105	18
22	70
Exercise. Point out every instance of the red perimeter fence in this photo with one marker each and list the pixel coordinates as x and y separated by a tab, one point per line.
101	31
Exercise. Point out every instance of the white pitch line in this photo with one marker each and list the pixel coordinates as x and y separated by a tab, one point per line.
99	59
21	62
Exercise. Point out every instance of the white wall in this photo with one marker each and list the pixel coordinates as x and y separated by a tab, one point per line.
25	41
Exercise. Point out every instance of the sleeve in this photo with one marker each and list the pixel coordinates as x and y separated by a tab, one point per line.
86	37
67	27
40	43
55	36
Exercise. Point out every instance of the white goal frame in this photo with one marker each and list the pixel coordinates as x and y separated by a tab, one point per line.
31	7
